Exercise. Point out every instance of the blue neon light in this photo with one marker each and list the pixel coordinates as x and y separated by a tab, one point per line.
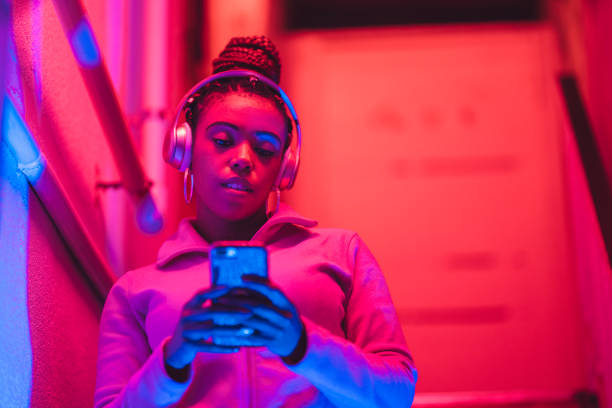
84	45
17	137
15	342
147	215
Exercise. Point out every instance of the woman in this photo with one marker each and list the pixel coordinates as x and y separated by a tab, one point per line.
321	332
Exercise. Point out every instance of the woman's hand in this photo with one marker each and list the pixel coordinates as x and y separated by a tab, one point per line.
275	321
208	326
254	314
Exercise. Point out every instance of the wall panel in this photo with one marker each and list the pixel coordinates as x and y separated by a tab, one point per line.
64	315
441	147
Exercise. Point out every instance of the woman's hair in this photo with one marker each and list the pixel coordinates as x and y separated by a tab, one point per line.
255	53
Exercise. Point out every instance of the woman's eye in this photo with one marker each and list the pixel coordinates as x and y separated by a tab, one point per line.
265	152
222	142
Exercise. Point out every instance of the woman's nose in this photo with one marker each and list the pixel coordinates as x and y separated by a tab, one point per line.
242	161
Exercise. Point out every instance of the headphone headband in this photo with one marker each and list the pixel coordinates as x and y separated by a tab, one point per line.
291	161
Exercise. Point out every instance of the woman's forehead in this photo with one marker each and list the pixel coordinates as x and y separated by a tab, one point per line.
241	103
251	112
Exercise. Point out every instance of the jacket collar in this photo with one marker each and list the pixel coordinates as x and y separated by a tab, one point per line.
187	239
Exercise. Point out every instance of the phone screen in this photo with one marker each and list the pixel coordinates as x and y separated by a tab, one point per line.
229	262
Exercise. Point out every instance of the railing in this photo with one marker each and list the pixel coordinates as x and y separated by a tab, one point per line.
577	399
597	179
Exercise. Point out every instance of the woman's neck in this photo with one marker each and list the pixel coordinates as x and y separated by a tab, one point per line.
214	228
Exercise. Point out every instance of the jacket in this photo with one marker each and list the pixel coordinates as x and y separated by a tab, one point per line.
356	355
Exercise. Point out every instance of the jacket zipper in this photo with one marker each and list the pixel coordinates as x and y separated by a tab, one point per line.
251	378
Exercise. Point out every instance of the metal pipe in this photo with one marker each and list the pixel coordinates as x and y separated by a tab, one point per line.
101	92
113	200
154	91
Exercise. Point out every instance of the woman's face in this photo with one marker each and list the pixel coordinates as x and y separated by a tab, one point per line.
237	154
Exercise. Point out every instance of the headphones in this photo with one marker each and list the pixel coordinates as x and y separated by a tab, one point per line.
178	142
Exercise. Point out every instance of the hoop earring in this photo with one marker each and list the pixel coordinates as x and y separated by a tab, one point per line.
273	202
188	175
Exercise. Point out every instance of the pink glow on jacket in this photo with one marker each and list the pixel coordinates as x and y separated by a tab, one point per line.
356	353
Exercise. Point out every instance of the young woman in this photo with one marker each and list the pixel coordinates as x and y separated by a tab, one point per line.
321	332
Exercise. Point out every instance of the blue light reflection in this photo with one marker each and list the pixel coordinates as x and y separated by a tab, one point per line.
17	137
15	341
84	45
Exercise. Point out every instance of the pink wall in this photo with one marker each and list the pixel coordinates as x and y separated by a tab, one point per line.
593	270
442	148
597	293
57	107
62	307
64	311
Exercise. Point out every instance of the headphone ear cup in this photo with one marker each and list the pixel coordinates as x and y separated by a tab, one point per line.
288	171
177	147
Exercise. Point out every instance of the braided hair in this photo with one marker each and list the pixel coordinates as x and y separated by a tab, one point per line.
255	53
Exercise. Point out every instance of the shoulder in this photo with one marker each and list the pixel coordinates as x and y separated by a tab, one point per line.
329	237
337	243
132	279
346	238
339	234
351	245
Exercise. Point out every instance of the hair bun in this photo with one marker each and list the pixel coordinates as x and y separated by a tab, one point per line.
256	53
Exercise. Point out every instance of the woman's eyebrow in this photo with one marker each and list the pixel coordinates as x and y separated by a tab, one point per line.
221	123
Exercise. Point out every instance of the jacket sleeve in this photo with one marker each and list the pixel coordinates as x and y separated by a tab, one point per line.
129	373
372	366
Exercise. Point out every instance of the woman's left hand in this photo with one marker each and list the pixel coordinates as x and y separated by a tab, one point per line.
275	322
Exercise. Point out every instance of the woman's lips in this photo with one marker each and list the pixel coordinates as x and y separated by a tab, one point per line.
238	184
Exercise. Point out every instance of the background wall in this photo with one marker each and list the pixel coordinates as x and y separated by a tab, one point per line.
442	148
64	312
62	308
445	147
51	312
58	353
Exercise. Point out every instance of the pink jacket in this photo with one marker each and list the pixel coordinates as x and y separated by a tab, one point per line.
356	354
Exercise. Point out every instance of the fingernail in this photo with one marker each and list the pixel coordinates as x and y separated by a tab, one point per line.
245	331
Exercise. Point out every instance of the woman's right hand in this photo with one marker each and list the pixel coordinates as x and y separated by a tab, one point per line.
207	326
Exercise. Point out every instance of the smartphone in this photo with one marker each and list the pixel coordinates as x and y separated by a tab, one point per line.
230	260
